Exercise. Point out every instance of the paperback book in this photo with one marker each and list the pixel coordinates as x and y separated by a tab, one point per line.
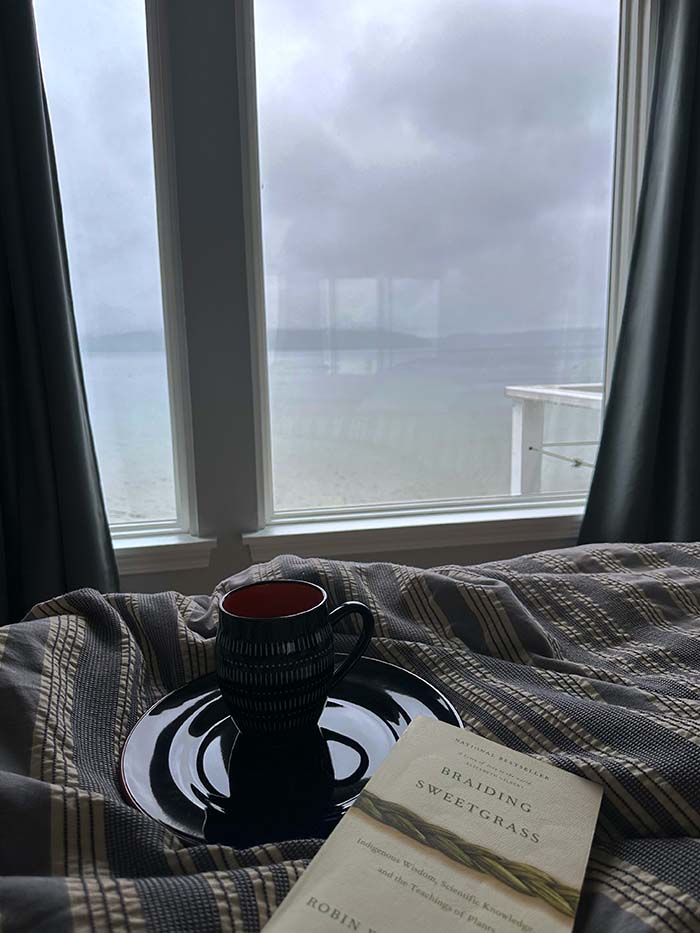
453	832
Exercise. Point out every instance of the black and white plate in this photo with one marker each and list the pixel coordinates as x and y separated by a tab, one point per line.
175	762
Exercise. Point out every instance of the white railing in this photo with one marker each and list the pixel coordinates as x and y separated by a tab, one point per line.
528	446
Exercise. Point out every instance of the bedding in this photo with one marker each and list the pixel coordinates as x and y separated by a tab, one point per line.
588	658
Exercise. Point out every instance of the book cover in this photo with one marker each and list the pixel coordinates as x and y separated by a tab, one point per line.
453	832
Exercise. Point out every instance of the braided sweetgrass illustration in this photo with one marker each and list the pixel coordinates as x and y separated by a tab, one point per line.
521	877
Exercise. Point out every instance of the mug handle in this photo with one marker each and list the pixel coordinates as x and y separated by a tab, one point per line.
365	635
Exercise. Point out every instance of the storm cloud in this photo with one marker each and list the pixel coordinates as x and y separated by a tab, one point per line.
466	141
460	141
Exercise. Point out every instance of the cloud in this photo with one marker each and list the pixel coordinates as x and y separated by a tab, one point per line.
95	72
463	141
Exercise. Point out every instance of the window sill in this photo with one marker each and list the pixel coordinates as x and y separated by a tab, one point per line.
152	553
338	537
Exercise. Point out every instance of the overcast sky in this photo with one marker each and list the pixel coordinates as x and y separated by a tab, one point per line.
463	142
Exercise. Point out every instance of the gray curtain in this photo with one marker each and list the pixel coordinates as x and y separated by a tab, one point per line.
646	484
53	528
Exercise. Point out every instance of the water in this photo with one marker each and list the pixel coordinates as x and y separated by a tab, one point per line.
353	427
416	425
130	415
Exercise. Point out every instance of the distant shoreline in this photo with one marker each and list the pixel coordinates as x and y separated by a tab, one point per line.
309	339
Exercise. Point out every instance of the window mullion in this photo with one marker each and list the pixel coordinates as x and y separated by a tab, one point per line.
171	267
245	54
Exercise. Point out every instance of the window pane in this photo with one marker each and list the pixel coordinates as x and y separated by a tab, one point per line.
94	59
436	197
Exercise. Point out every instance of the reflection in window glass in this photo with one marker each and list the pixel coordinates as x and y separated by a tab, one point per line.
436	196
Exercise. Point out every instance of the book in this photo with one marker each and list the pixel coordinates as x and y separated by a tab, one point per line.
453	832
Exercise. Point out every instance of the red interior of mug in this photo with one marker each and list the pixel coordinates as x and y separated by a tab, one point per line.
273	600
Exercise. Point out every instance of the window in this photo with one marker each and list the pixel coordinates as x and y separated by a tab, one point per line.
94	59
436	189
384	231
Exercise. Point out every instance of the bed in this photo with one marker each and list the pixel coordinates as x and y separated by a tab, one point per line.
588	658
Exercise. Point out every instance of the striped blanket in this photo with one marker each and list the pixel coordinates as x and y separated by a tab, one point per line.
588	658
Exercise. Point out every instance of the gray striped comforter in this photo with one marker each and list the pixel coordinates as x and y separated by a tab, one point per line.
588	658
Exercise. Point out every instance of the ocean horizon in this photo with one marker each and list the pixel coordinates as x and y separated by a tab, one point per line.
354	425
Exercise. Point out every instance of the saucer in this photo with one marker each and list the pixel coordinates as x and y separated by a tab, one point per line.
174	761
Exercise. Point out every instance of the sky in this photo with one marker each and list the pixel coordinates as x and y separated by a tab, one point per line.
463	145
93	55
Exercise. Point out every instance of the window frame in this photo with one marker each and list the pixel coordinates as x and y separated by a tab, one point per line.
202	73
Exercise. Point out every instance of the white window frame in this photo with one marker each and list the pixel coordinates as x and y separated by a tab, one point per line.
202	73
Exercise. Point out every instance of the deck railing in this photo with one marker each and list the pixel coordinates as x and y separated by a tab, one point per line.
528	446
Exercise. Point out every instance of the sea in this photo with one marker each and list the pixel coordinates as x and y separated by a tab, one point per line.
357	426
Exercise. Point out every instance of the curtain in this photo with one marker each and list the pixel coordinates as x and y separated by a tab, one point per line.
53	528
646	484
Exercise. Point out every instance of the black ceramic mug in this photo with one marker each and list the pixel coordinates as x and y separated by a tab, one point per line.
274	654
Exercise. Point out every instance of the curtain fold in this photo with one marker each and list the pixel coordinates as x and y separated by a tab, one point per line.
646	484
54	534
